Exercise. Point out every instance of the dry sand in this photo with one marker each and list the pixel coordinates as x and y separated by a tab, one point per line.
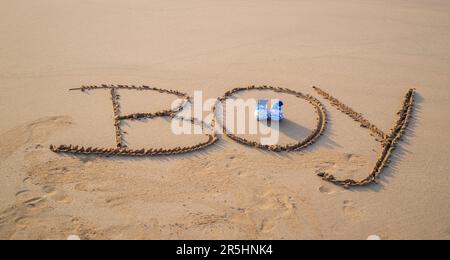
366	53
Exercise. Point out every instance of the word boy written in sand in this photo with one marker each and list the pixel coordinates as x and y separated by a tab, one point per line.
223	114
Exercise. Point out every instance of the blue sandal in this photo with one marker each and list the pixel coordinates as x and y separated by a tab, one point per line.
276	113
261	112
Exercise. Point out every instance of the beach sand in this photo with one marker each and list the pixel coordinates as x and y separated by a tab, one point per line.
366	53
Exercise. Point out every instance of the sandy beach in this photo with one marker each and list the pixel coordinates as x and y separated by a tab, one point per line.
367	54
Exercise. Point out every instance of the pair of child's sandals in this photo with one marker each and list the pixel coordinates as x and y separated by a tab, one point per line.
263	113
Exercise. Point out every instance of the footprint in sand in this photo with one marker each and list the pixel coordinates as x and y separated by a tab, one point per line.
60	197
31	198
327	189
267	225
34	132
26	180
351	211
22	221
48	189
7	215
115	201
81	187
271	210
28	197
3	220
21	192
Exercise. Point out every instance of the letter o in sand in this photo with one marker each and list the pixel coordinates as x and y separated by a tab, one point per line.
318	131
